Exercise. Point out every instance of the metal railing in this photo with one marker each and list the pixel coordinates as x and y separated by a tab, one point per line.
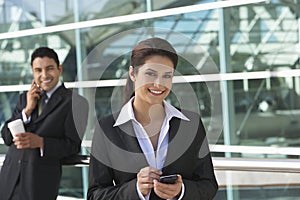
221	163
258	164
263	150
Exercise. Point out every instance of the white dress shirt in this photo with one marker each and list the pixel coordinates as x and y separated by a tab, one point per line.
154	159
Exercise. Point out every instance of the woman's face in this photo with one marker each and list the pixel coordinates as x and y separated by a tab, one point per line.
153	81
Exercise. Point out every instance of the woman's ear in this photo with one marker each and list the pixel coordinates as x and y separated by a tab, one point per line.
131	74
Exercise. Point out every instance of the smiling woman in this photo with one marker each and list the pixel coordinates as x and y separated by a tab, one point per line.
165	55
150	138
153	81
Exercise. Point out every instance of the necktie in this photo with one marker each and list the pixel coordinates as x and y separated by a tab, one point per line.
42	102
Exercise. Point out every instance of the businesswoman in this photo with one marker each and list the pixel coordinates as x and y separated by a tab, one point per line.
150	138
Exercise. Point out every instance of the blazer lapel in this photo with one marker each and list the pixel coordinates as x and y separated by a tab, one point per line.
34	114
172	148
129	144
55	100
174	125
128	137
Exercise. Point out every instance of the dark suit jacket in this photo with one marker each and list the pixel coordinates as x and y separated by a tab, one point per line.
116	158
40	176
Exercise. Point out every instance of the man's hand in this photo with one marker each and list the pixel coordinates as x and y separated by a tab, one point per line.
145	179
28	140
33	95
168	191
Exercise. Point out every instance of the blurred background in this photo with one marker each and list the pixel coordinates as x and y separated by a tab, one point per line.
240	61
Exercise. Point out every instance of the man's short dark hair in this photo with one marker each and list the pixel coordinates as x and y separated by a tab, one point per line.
44	52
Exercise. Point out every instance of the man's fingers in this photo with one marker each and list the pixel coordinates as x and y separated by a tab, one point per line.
32	83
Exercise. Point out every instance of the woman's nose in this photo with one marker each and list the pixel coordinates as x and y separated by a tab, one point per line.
157	82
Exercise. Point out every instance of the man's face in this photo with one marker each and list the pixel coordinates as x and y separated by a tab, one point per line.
46	73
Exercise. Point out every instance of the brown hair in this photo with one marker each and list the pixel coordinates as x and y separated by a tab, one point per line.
144	49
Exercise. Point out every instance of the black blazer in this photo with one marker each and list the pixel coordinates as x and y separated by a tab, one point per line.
40	176
116	158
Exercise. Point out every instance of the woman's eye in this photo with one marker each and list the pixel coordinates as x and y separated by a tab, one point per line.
168	76
150	74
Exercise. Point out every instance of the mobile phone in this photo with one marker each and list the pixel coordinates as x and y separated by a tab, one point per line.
169	179
37	85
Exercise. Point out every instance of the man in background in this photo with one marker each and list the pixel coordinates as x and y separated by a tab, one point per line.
33	164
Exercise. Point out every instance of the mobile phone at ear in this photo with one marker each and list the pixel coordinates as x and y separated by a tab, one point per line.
169	179
36	85
42	91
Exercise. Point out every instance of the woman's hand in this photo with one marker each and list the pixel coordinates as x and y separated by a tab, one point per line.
145	179
168	191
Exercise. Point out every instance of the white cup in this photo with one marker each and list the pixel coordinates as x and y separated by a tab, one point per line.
16	126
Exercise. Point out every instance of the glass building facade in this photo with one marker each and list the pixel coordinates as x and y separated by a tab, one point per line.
239	63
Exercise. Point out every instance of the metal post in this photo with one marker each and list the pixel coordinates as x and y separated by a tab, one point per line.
227	92
43	12
80	77
149	6
226	86
297	79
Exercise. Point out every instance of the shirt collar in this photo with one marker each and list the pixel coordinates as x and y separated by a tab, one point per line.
127	114
50	92
171	111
